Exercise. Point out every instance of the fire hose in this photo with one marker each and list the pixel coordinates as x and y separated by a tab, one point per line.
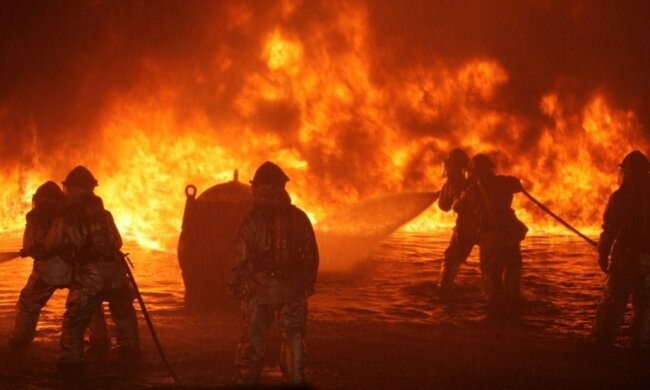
6	256
128	264
557	218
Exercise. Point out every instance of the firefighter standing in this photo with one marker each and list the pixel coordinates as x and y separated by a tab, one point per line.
49	272
464	235
624	254
500	233
87	234
275	272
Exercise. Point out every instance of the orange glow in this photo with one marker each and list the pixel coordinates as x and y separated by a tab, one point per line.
148	154
282	54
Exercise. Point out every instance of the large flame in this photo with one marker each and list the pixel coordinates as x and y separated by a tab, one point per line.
316	104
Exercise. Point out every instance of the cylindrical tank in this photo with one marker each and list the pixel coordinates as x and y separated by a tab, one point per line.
207	242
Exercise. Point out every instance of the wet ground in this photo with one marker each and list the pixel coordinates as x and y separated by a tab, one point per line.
378	325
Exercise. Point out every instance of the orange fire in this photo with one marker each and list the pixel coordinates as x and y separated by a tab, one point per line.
315	107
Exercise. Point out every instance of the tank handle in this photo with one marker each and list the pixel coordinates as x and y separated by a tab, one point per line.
190	191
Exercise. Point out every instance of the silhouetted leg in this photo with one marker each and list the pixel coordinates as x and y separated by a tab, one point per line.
456	254
80	306
512	289
512	280
641	318
257	319
492	276
611	310
98	330
294	319
32	298
120	303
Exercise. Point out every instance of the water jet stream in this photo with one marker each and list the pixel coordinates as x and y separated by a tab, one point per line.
351	234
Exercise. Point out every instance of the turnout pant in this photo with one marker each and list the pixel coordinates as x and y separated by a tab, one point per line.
93	285
611	309
257	318
459	249
33	298
501	274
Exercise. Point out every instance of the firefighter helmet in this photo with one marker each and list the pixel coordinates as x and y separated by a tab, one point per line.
269	173
49	191
635	162
80	176
457	159
480	164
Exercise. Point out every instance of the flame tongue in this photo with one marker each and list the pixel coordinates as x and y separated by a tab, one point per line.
327	90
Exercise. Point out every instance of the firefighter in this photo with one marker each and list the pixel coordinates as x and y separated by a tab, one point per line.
49	273
87	234
500	232
624	255
464	235
275	271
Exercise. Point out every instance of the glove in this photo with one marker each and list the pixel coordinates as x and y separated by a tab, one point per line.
603	262
518	187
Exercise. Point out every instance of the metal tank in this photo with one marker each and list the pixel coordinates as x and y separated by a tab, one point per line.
207	242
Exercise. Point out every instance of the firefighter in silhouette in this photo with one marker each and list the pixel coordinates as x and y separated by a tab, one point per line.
275	272
49	272
464	235
87	234
624	254
489	199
